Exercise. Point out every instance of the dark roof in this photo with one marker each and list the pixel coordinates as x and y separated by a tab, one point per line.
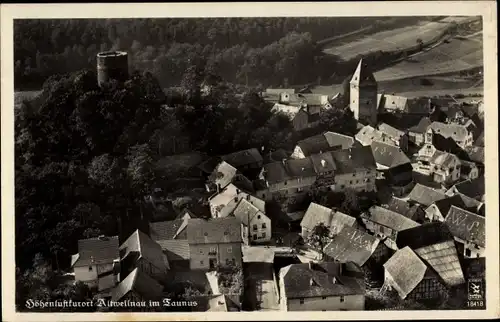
388	218
209	165
321	279
445	204
323	162
425	195
176	249
223	174
339	140
165	230
275	172
466	225
480	140
97	250
363	75
422	126
388	155
297	168
471	188
350	160
146	248
398	205
139	282
214	231
352	245
244	157
278	155
424	235
406	270
314	144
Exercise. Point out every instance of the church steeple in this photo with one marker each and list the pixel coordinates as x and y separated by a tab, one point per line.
363	95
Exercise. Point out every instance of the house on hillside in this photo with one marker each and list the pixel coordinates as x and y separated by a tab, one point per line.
392	103
214	243
172	238
411	278
356	169
321	287
421	133
136	287
462	135
443	167
435	245
140	251
468	170
439	209
425	195
368	134
471	188
469	231
97	262
414	212
225	174
320	143
225	201
395	134
334	220
256	225
244	160
392	164
386	224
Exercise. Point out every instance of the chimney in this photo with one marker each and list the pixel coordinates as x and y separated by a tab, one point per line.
334	280
311	282
303	169
238	191
323	163
235	198
218	188
248	197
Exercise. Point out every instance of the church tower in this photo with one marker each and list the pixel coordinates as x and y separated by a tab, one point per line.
363	95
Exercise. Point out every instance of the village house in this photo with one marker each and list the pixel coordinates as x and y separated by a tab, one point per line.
256	225
443	167
392	164
225	174
214	243
244	160
469	231
421	133
97	262
355	169
368	134
425	195
288	178
325	167
410	277
328	141
224	202
414	212
461	134
392	103
471	188
277	95
172	238
140	251
395	134
325	286
386	224
435	245
439	209
359	247
136	287
334	220
468	170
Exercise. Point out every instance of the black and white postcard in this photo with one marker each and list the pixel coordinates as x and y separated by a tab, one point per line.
235	161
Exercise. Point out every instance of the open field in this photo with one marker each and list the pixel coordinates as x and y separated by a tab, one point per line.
396	39
460	53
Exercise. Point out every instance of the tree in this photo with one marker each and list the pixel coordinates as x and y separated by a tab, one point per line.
351	204
319	237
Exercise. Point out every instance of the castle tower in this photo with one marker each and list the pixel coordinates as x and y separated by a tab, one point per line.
112	65
363	95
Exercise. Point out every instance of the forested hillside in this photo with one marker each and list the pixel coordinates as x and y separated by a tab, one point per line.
253	51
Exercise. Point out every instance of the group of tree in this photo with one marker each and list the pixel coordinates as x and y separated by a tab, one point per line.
245	50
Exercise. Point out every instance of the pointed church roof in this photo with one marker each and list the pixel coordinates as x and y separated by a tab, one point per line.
363	75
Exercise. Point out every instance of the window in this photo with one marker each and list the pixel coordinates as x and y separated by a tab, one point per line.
258	216
468	253
229	250
350	182
90	268
324	298
301	301
233	261
353	174
264	225
213	250
342	186
205	234
341	299
201	251
255	227
263	235
285	183
201	262
254	236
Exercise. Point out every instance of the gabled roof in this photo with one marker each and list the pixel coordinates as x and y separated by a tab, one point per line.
363	75
176	249
388	218
242	158
299	168
318	279
352	245
275	172
390	131
166	230
339	140
245	212
398	205
139	243
223	174
392	102
445	204
425	195
353	159
422	126
455	131
334	220
443	159
323	162
314	144
214	231
435	244
140	283
369	134
466	225
96	251
231	205
471	188
208	166
406	270
388	155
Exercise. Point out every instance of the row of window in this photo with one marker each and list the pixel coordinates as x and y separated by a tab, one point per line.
229	261
342	299
213	250
255	236
255	226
